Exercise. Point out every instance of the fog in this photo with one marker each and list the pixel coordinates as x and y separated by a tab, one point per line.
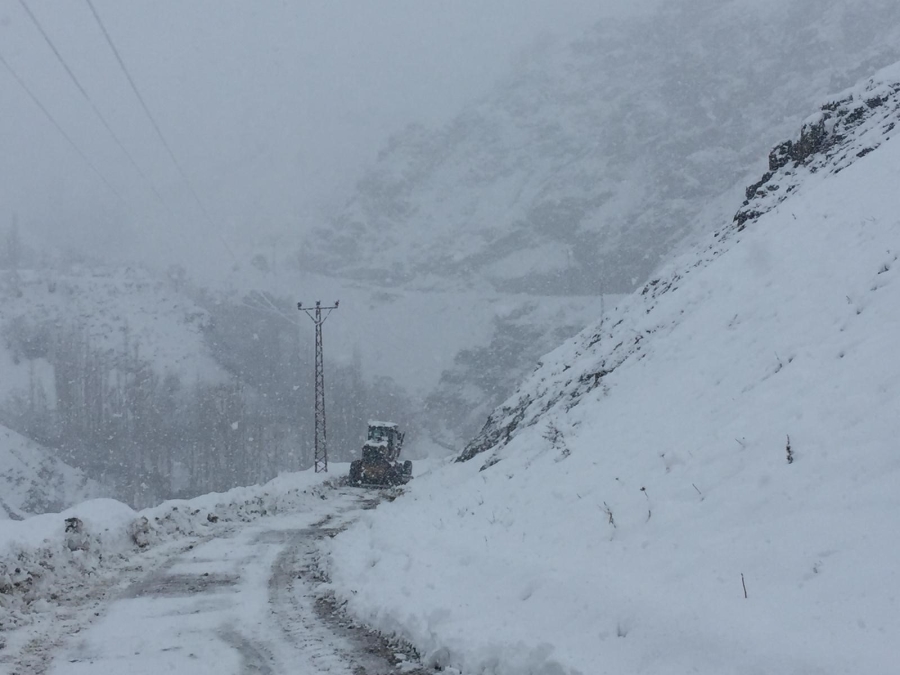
475	181
272	109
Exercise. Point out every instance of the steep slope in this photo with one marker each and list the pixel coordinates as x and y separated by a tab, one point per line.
592	161
33	481
849	127
704	481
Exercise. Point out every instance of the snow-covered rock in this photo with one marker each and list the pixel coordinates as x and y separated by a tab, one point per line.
846	129
702	481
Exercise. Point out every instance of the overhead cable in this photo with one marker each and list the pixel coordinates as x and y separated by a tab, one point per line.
156	126
62	131
90	101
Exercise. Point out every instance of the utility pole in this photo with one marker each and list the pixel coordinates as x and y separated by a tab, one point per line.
321	439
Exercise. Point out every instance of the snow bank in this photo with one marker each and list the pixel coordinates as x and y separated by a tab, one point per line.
52	558
721	498
284	494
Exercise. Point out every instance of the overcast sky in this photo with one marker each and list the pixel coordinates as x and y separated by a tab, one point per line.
271	108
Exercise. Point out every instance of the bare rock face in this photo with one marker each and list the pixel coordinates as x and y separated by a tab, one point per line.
846	129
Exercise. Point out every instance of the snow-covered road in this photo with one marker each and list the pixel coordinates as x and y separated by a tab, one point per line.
250	601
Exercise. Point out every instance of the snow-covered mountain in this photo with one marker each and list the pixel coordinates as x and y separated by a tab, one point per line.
33	481
113	311
87	355
589	163
848	127
705	479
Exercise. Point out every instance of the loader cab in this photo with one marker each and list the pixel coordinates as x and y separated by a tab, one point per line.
385	435
378	466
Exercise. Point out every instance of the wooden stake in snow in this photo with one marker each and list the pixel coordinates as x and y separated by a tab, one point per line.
744	584
790	454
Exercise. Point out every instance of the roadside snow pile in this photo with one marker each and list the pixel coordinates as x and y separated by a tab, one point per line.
179	518
50	559
705	481
54	559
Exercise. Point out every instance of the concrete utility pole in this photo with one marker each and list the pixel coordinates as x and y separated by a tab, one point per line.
321	441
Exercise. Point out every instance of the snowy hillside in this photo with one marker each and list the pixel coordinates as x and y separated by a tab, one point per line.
593	160
114	311
93	361
33	481
704	480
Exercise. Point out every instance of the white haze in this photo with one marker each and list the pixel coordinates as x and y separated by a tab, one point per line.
272	109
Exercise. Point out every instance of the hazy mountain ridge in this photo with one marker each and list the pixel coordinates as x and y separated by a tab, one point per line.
591	162
849	126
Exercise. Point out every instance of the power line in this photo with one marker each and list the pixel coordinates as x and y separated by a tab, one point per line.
90	101
62	132
156	127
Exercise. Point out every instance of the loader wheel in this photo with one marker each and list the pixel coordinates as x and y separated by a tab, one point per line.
355	477
395	476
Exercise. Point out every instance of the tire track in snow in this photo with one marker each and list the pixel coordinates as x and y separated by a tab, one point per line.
294	609
311	622
254	660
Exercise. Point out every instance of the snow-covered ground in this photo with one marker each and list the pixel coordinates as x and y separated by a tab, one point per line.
703	482
54	572
32	480
231	604
114	310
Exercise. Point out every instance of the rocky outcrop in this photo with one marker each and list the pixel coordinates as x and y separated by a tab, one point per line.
846	129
